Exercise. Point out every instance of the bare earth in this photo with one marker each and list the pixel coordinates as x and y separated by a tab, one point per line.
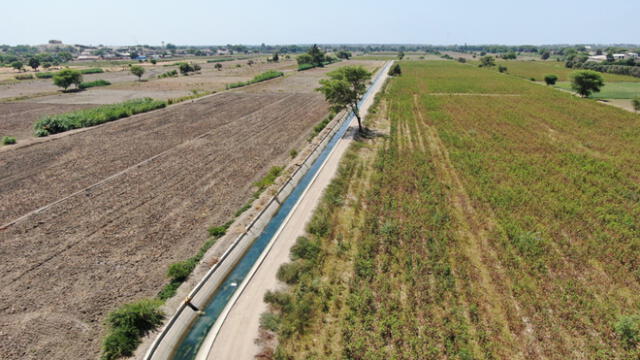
17	119
65	267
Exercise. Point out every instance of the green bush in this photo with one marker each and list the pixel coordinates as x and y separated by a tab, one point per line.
269	321
180	271
90	117
290	273
91	71
219	231
293	153
502	68
267	180
267	75
550	79
45	75
172	73
128	324
8	140
90	84
24	77
303	67
306	249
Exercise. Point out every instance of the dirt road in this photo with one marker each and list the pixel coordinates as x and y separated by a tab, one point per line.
236	337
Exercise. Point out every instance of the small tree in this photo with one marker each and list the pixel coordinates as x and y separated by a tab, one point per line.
185	68
304	59
400	55
67	77
395	70
154	61
250	62
636	104
275	57
138	71
342	54
34	63
545	55
487	61
586	82
317	55
502	68
17	65
345	88
218	66
550	79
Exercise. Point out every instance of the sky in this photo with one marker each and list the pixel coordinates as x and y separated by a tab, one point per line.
201	22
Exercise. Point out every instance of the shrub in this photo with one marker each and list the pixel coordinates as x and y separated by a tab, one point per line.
90	84
303	67
293	153
137	70
305	248
181	270
502	68
290	273
487	61
269	321
45	75
185	68
462	60
550	79
628	329
636	104
395	70
172	73
8	140
24	77
92	71
128	324
268	179
218	231
90	117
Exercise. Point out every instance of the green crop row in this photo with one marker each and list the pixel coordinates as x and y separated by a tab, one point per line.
268	75
53	124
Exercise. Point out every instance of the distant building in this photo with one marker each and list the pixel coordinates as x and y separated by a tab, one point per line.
55	42
222	52
598	58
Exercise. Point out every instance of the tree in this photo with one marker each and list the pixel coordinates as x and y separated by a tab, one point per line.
275	57
636	104
251	62
510	56
138	71
17	65
401	55
487	61
317	56
34	63
304	59
502	68
185	68
154	61
586	82
395	70
218	66
345	88
545	55
550	79
67	77
197	67
344	54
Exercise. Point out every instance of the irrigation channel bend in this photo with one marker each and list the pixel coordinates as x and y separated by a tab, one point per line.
198	342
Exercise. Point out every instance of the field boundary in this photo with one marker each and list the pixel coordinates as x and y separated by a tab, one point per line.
203	290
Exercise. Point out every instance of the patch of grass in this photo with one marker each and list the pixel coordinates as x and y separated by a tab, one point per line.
44	75
8	140
24	77
195	95
54	124
95	83
127	325
303	67
267	180
267	75
168	74
611	90
91	71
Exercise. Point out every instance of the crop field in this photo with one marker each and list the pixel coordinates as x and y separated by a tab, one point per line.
91	219
538	70
492	219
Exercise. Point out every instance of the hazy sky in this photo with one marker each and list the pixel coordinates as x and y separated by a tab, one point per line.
199	22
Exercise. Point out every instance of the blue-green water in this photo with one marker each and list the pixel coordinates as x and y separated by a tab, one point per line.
189	346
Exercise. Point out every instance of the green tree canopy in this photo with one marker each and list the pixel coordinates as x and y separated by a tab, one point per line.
550	79
487	61
586	82
137	70
345	88
67	77
17	65
317	55
636	104
34	63
343	54
304	59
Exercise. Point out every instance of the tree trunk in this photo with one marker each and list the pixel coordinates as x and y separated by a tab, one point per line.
356	112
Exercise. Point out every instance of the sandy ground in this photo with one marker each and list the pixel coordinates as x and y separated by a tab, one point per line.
236	338
624	104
